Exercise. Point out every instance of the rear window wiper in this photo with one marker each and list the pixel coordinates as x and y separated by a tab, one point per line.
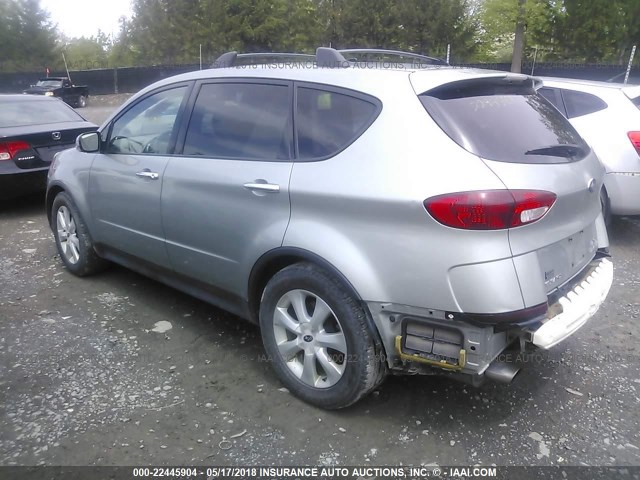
561	150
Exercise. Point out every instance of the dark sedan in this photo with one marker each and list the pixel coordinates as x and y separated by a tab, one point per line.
32	130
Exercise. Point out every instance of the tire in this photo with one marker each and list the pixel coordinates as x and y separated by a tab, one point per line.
301	352
606	206
82	101
72	238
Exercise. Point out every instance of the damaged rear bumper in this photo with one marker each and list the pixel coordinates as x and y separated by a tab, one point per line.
428	341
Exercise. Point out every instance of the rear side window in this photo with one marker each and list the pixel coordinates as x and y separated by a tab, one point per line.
636	101
580	103
554	96
502	124
245	121
327	122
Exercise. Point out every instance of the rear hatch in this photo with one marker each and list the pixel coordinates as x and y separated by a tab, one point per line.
530	146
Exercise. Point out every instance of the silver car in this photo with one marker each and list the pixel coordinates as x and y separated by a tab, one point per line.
607	116
371	220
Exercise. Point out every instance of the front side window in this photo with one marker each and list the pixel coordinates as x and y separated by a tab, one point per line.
246	121
148	126
327	122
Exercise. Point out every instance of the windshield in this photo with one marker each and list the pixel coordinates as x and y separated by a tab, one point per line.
49	83
505	126
30	112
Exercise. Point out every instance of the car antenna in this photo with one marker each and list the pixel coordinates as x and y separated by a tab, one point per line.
65	66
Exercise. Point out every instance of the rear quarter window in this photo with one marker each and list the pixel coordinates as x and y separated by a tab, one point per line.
581	103
328	121
502	124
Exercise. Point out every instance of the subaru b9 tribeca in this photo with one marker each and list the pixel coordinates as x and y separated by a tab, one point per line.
372	221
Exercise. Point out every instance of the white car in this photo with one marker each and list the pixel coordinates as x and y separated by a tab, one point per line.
607	116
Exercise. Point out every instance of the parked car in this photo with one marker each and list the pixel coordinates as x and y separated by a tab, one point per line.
32	131
607	116
371	221
61	87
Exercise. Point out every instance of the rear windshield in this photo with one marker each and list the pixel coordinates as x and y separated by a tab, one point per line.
505	125
35	112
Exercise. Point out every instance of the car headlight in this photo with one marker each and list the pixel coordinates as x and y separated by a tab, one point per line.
48	94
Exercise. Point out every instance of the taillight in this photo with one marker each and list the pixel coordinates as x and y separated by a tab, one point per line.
635	140
8	150
490	209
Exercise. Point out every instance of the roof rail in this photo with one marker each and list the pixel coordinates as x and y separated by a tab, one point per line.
391	53
324	57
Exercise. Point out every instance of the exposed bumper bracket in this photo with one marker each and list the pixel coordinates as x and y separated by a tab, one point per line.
576	307
434	363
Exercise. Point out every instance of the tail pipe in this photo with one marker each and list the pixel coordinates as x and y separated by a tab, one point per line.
502	372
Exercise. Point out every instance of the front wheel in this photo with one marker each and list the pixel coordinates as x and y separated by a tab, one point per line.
317	337
82	101
72	238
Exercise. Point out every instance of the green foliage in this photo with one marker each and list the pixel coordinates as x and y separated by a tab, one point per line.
27	37
173	31
87	53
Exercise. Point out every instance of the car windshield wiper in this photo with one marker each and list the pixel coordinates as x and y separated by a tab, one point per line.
560	150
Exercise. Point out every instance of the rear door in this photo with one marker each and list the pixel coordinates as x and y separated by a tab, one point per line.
530	146
126	177
225	199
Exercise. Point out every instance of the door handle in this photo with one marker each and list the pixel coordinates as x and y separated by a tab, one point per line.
148	174
263	187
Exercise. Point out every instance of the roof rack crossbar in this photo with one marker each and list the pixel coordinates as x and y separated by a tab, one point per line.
394	53
324	57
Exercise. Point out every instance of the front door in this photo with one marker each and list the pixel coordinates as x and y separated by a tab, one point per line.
126	177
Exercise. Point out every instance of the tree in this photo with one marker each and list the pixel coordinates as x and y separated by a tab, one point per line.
596	31
27	36
87	53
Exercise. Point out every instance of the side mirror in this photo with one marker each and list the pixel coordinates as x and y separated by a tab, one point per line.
88	142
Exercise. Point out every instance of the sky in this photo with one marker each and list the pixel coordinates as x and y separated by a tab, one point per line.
77	18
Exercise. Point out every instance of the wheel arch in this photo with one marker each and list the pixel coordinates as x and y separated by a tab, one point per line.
52	192
275	260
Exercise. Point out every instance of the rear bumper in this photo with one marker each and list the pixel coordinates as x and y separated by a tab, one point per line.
572	310
624	192
23	183
417	339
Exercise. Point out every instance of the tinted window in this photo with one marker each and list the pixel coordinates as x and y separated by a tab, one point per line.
504	127
636	101
554	96
580	103
328	122
147	127
35	112
242	121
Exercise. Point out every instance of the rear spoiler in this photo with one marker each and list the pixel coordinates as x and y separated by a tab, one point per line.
510	83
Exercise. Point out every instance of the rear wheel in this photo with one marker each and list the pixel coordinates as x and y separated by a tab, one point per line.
317	337
82	101
72	238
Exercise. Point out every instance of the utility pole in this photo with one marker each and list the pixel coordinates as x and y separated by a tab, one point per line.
518	43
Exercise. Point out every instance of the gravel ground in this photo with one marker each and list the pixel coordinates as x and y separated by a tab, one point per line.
117	369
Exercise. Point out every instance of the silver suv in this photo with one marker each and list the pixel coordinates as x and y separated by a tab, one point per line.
406	219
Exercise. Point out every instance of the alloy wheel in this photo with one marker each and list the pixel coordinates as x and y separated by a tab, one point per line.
67	235
310	338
